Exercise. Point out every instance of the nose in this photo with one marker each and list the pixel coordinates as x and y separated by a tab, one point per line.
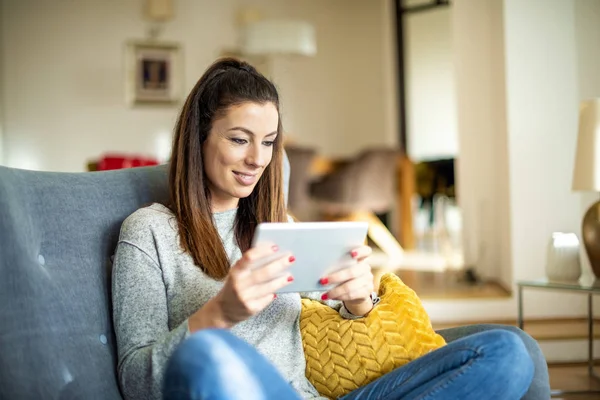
257	156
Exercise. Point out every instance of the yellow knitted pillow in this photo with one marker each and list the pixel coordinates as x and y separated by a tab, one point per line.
343	355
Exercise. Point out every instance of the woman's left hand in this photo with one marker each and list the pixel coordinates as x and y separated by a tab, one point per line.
354	284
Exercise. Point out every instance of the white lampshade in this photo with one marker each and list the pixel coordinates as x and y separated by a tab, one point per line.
586	175
278	37
159	10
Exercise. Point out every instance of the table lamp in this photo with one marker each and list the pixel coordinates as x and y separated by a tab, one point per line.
586	177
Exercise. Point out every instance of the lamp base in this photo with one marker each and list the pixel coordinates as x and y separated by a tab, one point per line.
590	229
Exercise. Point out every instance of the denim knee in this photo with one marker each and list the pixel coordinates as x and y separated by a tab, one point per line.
209	348
207	341
514	364
540	385
530	343
215	364
206	364
532	347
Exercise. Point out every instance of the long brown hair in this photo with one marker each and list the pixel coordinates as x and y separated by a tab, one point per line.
226	83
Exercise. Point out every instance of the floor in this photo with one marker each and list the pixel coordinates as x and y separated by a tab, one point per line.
542	329
573	377
445	285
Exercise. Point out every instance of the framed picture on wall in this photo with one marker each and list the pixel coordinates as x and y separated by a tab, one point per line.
153	73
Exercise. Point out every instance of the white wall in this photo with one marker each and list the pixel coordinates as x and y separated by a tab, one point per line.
63	84
339	101
542	83
538	58
587	30
482	173
431	113
497	252
389	74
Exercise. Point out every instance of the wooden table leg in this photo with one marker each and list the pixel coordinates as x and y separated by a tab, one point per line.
406	189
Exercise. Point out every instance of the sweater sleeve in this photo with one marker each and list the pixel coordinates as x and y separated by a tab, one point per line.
140	316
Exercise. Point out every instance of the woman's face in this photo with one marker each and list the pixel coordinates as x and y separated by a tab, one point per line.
237	150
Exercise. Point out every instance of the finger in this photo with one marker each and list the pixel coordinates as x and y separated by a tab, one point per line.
361	253
257	305
347	274
272	286
273	269
248	282
253	255
355	289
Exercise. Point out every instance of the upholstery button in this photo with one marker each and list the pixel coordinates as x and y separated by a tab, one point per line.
103	339
41	260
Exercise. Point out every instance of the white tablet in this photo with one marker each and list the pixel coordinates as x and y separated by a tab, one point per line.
319	248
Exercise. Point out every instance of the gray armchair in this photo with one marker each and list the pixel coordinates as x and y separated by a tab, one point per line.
360	188
365	183
57	234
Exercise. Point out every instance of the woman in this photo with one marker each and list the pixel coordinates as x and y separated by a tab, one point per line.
192	314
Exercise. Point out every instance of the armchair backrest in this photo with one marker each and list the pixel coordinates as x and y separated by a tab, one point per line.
58	232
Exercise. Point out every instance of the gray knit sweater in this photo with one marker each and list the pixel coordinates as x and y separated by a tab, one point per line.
156	287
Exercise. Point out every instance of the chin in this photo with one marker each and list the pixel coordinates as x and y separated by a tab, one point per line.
243	193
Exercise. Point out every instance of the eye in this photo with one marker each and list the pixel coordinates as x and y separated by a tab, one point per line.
239	141
268	144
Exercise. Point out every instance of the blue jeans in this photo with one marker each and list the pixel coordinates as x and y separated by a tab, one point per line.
216	365
540	386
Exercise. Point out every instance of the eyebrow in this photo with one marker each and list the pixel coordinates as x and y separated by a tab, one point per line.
248	131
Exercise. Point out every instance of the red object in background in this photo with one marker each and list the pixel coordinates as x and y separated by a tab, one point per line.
116	161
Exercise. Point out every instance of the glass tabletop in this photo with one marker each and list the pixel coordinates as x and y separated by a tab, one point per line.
593	286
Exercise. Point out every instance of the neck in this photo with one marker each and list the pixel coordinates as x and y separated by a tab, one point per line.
221	206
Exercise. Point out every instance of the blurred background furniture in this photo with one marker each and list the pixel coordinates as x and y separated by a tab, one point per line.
359	189
112	161
299	201
435	177
590	289
437	215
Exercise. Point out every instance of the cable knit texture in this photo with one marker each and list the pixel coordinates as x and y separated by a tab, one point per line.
344	355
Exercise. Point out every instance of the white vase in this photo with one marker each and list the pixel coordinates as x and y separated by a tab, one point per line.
562	263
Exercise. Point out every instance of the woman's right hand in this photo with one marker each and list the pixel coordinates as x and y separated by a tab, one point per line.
247	290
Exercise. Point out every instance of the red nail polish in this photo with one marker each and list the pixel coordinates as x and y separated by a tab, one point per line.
275	248
292	259
290	278
324	281
324	297
274	296
353	253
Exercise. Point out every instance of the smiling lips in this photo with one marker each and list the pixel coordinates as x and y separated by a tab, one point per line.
245	179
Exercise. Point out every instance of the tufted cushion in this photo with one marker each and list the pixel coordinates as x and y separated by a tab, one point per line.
57	231
343	355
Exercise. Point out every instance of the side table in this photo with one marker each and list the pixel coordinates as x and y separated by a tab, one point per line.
590	290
